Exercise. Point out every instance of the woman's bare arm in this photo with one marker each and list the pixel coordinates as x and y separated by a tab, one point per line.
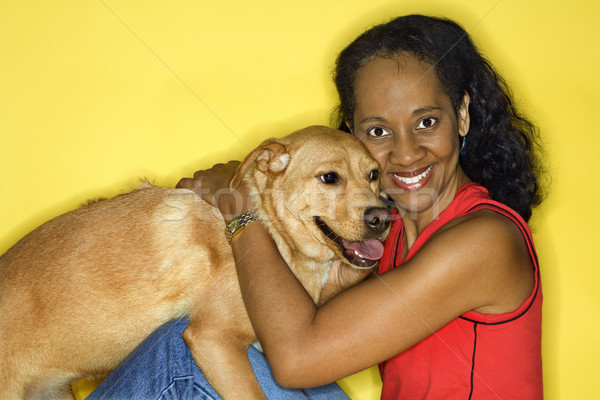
479	263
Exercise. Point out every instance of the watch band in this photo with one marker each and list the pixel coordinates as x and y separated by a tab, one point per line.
237	224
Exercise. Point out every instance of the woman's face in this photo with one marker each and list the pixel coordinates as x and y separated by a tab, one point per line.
409	125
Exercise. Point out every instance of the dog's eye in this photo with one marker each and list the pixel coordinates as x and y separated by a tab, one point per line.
329	178
373	175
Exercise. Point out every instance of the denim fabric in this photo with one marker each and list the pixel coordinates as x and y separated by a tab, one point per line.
162	368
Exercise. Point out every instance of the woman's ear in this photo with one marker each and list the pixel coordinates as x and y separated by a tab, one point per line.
464	120
349	126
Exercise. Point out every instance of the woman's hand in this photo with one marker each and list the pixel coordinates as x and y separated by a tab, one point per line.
342	276
213	186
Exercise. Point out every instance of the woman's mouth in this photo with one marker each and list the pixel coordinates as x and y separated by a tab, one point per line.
413	180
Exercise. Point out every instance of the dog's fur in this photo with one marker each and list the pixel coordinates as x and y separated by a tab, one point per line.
83	290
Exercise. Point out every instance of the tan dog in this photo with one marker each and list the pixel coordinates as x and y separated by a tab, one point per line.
83	290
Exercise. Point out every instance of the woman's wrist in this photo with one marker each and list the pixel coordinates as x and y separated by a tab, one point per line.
232	205
237	225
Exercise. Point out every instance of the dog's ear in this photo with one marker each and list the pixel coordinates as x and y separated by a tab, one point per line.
271	156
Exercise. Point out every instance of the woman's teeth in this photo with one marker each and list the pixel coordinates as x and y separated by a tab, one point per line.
414	179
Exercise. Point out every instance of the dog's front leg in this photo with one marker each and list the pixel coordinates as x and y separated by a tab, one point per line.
218	336
223	359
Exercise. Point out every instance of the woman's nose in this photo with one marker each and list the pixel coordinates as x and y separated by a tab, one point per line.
407	150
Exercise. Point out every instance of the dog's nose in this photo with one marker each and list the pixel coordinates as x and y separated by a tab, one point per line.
377	219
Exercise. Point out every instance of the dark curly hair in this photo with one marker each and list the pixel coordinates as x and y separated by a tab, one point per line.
503	147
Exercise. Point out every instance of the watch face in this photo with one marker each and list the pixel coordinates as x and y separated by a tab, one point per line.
234	225
241	221
238	223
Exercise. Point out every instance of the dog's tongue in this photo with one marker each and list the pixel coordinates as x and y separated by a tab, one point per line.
369	249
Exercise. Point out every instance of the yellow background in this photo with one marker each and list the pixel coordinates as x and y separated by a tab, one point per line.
94	94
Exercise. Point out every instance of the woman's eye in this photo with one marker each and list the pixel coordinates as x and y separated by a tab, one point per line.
329	178
373	175
377	132
427	123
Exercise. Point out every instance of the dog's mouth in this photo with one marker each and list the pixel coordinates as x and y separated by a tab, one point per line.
365	254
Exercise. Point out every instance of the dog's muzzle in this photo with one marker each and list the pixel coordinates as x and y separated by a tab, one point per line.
366	253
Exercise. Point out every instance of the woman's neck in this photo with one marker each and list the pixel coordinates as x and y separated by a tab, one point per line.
415	222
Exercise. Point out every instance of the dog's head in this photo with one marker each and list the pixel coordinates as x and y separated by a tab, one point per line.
317	190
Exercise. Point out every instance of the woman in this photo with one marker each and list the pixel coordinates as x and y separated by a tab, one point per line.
455	311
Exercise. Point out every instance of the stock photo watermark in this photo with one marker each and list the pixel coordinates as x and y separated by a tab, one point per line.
348	205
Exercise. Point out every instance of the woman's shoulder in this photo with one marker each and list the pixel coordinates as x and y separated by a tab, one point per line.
473	218
492	247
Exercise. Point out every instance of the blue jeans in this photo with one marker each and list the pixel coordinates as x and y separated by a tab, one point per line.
162	368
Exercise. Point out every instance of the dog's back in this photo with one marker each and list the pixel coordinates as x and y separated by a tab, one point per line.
134	262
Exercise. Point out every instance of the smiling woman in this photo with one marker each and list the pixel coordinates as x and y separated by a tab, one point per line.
409	125
459	258
433	84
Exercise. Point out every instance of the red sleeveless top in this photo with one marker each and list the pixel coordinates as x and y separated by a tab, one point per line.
475	356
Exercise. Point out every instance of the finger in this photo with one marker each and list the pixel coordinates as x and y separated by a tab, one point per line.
185	183
363	273
200	172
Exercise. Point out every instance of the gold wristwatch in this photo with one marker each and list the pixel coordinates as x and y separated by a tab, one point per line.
237	224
